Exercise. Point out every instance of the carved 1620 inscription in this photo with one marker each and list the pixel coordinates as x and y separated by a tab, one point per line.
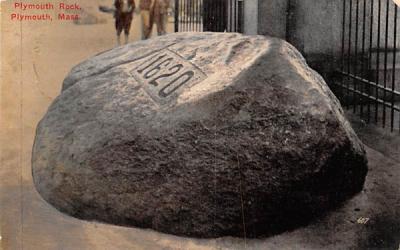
165	74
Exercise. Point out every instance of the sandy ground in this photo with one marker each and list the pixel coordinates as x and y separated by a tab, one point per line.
37	56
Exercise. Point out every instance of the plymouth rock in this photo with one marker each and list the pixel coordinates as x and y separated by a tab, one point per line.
197	134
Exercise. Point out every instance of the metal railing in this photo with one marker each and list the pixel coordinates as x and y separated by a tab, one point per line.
209	15
370	68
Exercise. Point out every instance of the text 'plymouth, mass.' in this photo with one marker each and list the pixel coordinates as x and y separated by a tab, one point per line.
45	11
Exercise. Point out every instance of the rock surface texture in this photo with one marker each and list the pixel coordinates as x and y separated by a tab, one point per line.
203	135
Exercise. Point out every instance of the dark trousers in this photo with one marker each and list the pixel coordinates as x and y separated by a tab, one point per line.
123	22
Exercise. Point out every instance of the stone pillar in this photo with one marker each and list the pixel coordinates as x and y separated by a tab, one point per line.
251	17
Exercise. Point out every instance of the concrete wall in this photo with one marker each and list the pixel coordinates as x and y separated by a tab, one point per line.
272	17
251	17
315	26
312	26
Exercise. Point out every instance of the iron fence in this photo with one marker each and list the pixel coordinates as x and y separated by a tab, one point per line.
209	15
370	68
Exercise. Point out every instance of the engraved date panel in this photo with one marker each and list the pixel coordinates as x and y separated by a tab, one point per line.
165	74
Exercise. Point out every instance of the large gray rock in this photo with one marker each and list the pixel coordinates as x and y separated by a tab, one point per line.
197	134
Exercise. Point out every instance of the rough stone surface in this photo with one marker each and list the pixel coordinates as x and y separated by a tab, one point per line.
201	135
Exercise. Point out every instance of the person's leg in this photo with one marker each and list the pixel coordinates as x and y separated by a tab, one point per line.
118	27
157	20
164	23
161	20
127	27
145	24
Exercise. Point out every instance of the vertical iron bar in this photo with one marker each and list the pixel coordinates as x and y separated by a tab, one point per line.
386	60
230	15
194	14
377	62
201	15
197	16
205	15
349	55
235	15
189	10
184	15
240	17
363	56
225	16
221	15
187	15
371	25
180	15
355	62
191	15
394	67
343	45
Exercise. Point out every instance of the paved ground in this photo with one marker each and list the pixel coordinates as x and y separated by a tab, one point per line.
375	135
33	66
